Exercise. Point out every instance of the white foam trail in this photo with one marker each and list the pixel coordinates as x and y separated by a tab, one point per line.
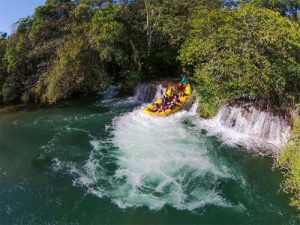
158	162
161	163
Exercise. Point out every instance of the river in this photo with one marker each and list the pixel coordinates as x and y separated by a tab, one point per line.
102	161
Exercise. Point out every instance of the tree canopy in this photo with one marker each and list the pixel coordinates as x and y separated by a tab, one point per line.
247	49
250	53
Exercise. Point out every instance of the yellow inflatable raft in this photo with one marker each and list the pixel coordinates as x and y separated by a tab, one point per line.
182	102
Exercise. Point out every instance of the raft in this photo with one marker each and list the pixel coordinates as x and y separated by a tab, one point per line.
178	106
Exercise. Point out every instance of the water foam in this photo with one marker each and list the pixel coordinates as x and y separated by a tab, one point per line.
147	92
156	162
161	163
151	161
249	127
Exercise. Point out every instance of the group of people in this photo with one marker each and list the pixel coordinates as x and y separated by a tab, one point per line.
171	97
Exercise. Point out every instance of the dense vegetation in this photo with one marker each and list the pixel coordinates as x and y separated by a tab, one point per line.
290	162
250	53
232	50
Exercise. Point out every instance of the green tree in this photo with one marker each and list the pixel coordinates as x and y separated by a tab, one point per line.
246	53
289	162
176	14
116	35
51	20
77	70
108	33
17	61
139	40
288	8
3	72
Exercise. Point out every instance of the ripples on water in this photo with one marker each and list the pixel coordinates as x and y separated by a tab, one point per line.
134	160
150	161
144	161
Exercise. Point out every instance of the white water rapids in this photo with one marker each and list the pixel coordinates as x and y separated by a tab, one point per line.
237	125
153	161
249	127
159	158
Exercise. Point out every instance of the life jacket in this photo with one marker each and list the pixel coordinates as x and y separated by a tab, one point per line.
159	102
181	86
187	90
169	92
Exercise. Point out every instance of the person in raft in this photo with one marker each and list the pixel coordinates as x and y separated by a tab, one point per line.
163	99
183	82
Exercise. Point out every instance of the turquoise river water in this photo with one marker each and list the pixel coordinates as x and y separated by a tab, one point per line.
105	162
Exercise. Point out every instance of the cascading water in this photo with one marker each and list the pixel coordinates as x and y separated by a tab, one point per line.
237	125
146	92
250	127
111	92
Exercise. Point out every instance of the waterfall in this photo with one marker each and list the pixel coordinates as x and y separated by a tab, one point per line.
147	92
111	92
243	125
251	128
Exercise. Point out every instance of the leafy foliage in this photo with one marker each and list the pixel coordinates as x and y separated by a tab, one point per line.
288	8
3	73
108	31
78	69
289	161
247	53
236	49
